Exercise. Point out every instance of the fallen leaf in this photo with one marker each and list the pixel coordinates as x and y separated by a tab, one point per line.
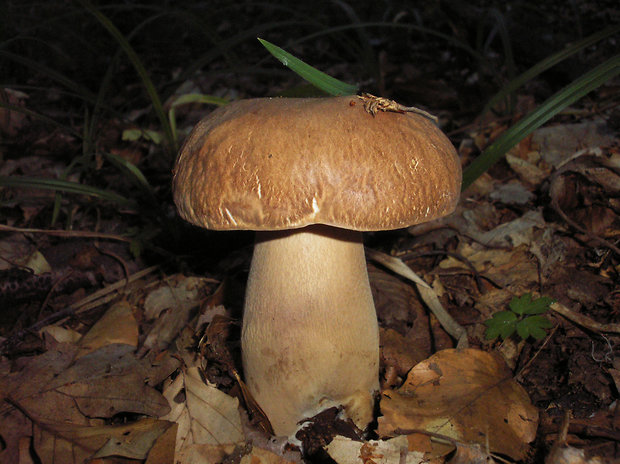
117	325
14	428
569	455
135	440
206	415
468	395
61	334
514	268
204	454
36	262
343	450
397	352
162	451
511	193
470	454
557	143
53	387
398	306
25	456
57	442
171	306
184	292
261	456
14	247
528	172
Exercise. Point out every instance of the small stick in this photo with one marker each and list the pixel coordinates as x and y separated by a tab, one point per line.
583	320
64	233
373	105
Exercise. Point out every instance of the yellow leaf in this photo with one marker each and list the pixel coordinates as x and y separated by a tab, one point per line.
468	395
116	326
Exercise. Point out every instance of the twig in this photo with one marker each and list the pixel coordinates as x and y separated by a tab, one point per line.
373	105
464	260
527	364
92	301
574	225
65	233
426	293
584	321
51	291
395	264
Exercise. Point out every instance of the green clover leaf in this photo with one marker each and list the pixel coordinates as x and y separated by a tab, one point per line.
525	317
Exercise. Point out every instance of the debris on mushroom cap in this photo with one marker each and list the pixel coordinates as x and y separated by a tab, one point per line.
276	163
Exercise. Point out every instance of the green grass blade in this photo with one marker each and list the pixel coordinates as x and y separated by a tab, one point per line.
317	78
191	98
61	186
139	67
547	63
552	106
133	170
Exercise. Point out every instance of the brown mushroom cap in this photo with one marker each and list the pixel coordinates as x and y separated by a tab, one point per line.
276	163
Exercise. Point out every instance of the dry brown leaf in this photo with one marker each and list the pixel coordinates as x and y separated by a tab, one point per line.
206	416
511	193
185	292
36	262
398	352
13	247
557	143
61	334
262	456
397	303
171	307
343	450
527	171
117	325
32	385
25	456
162	451
514	268
570	455
468	395
66	443
470	454
14	428
204	454
53	387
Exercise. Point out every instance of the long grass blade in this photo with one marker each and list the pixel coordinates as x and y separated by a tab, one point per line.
191	98
139	67
552	106
547	63
133	170
317	78
62	186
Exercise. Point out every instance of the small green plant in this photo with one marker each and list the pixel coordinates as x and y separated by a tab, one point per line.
525	317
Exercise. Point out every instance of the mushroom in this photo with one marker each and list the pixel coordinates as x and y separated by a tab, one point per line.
310	175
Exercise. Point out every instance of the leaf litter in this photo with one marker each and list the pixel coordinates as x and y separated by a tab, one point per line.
127	376
68	398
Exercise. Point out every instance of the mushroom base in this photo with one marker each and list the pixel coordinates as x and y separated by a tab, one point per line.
310	339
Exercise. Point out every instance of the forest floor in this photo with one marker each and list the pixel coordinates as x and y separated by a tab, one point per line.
100	295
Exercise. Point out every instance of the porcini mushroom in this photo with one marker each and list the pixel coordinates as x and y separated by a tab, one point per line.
309	175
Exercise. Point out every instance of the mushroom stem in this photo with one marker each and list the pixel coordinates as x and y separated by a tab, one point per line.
310	337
